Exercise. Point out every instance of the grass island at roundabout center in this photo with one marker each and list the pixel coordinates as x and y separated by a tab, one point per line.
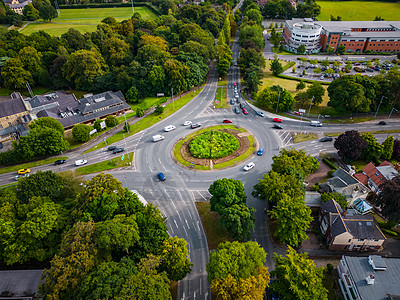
214	147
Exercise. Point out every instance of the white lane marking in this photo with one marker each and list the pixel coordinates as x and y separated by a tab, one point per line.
187	224
176	224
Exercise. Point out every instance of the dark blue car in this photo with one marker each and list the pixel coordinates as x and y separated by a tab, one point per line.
161	176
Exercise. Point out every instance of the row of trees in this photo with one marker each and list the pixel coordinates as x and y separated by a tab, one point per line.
282	9
103	243
283	188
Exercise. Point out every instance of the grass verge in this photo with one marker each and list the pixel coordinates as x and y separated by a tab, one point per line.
352	120
115	162
31	164
302	137
209	219
8	185
217	99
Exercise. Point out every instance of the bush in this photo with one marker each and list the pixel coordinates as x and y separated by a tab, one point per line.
329	164
97	125
330	172
213	144
81	132
139	112
127	127
339	198
391	232
111	121
329	267
315	188
159	110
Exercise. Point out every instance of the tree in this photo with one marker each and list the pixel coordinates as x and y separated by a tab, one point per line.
47	12
297	277
373	149
30	12
294	218
127	127
175	258
339	198
302	99
316	90
238	220
350	145
341	49
301	49
379	18
14	75
396	149
81	132
295	159
159	109
116	51
236	271
389	199
139	112
268	98
276	67
387	148
111	121
47	122
97	125
132	95
225	193
325	63
300	86
175	72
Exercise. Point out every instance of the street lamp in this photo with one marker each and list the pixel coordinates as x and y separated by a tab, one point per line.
279	96
173	102
379	106
105	141
392	111
125	144
309	109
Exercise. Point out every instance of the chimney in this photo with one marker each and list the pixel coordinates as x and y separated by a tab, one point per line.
370	279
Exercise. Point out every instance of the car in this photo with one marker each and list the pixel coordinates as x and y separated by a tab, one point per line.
118	150
187	123
260	151
23	171
326	139
244	110
237	110
249	166
260	113
232	101
227	121
1	145
21	176
382	123
169	128
237	96
161	176
237	100
234	84
196	125
80	162
60	161
241	105
277	120
112	148
298	113
322	77
277	126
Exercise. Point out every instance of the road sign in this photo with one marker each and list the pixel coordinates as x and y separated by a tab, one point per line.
302	110
103	125
93	131
122	158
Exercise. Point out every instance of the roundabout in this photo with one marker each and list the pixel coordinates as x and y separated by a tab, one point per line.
215	147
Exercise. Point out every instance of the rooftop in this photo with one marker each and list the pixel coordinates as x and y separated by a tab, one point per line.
10	106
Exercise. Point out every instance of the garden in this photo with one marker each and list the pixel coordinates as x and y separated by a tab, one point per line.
213	144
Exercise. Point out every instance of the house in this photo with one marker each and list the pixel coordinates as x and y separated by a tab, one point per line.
369	278
17	5
345	230
379	175
70	111
14	117
20	284
343	183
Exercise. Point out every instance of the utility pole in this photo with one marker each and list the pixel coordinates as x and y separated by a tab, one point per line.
279	96
105	141
125	144
379	106
173	102
309	109
221	95
133	10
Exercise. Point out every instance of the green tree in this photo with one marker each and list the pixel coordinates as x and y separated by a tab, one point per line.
47	122
47	12
325	63
81	132
297	277
175	258
111	121
14	75
387	148
116	51
139	112
301	49
350	145
238	220
296	159
302	99
127	127
176	73
339	198
300	86
225	193
276	67
97	125
317	91
373	149
341	49
159	109
268	98
389	199
30	12
31	59
254	15
253	76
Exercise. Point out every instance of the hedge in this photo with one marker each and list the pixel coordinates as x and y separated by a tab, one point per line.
289	65
329	163
391	232
301	79
108	5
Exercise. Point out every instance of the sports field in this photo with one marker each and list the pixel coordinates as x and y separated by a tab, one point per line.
359	10
85	19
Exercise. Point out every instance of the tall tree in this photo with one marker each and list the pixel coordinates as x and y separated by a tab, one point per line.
297	277
225	193
299	160
47	122
47	12
389	199
350	145
373	149
387	148
276	67
238	220
317	91
14	75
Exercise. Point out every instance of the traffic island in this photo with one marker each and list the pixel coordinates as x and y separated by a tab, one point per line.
215	147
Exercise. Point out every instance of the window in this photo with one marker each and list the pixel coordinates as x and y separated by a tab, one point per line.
360	240
349	240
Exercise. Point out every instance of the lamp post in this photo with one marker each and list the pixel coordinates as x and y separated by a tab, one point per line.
392	111
379	106
309	109
125	144
105	141
173	102
279	96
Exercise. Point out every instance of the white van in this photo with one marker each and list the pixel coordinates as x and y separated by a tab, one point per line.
158	137
316	123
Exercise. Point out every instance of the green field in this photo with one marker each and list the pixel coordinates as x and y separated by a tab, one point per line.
85	20
359	10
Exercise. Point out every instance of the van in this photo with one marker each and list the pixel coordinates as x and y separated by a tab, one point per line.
158	137
316	123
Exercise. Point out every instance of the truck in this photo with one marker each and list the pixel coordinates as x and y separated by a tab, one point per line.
316	123
158	137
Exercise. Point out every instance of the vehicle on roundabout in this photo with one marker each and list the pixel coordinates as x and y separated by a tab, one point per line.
278	120
23	171
195	125
161	176
382	123
60	161
260	113
277	126
326	139
169	128
187	123
118	150
227	121
249	166
245	111
80	162
260	151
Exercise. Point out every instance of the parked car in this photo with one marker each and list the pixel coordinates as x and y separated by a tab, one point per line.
260	113
195	125
118	150
227	121
237	110
161	176
277	120
169	128
60	161
80	162
112	148
241	105
232	101
23	171
237	100
234	84
245	111
187	123
382	123
277	126
326	139
237	96
260	151
249	166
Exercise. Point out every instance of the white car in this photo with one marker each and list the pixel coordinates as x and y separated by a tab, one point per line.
169	128
80	162
187	123
21	176
249	166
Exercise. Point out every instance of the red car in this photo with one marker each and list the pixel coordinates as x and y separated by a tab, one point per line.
227	121
277	120
297	113
234	84
245	111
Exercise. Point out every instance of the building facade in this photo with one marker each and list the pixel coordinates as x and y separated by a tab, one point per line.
17	5
355	36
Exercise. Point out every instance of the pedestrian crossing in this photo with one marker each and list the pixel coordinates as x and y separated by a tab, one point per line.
285	137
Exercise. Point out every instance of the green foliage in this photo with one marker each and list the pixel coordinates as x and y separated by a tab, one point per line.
226	193
47	12
276	67
316	90
159	110
300	86
47	122
132	95
268	98
238	220
14	75
97	125
213	144
111	121
339	198
127	127
297	277
329	164
301	49
373	149
387	148
390	232
139	112
297	159
81	132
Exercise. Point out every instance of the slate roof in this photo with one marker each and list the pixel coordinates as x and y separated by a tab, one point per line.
387	170
385	283
12	106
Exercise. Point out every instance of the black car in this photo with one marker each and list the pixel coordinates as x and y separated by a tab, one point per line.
237	110
60	161
277	126
112	148
241	105
382	123
118	150
196	125
237	100
232	102
326	139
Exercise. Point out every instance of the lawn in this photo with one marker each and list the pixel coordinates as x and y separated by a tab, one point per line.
116	162
217	100
30	164
359	10
85	20
214	235
302	137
